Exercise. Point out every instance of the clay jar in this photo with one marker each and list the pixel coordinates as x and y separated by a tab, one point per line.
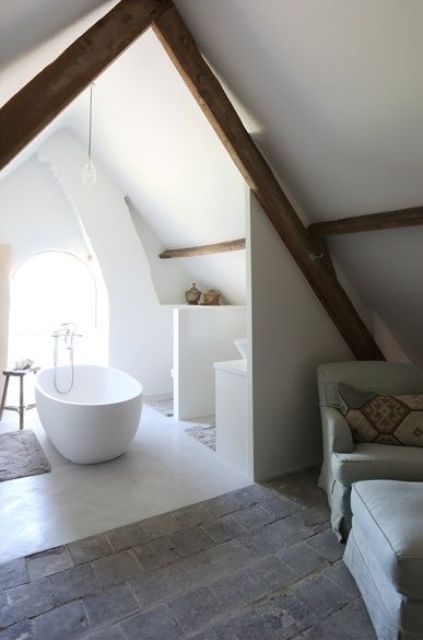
211	297
193	295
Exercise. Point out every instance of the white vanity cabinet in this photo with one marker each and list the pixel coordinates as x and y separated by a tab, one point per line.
232	414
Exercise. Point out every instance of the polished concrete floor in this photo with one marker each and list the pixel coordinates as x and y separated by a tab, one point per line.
259	563
164	469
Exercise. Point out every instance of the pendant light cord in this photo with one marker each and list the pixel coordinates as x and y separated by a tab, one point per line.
90	124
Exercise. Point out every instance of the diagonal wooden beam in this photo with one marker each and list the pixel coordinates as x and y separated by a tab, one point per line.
371	222
205	249
208	92
47	94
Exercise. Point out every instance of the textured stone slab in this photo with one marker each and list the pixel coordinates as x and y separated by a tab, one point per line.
110	605
209	634
24	601
132	535
109	633
169	523
253	517
223	529
292	529
72	584
237	500
48	562
19	631
272	573
90	549
339	573
302	558
267	540
258	623
157	554
190	541
162	525
299	611
327	546
116	568
314	517
201	570
280	507
153	625
323	595
191	516
195	609
64	623
238	589
13	573
350	623
152	589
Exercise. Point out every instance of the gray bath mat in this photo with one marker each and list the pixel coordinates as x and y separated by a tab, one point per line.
21	455
162	404
206	434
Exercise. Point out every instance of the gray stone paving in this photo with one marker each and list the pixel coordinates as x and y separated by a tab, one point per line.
260	563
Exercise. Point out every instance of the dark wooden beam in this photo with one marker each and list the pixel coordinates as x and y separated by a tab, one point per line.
205	249
208	92
372	222
46	95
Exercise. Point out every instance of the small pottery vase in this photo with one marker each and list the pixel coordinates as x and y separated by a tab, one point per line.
193	295
211	297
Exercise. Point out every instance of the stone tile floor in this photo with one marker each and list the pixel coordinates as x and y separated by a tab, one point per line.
259	563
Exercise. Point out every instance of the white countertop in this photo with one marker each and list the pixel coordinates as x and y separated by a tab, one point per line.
237	367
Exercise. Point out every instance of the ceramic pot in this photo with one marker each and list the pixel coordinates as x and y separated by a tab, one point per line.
211	297
193	295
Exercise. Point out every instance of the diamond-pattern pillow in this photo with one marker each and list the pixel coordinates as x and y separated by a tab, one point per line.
383	419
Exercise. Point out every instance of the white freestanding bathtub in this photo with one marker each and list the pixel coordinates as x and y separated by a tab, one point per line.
97	420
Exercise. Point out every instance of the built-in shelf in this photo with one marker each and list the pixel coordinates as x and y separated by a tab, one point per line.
205	306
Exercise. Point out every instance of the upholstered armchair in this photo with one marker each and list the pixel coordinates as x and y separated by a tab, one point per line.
346	461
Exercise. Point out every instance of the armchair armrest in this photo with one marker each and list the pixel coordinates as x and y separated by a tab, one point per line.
338	432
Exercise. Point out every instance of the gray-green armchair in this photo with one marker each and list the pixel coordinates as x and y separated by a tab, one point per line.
346	461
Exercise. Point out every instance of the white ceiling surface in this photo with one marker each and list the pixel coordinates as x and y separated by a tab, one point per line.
154	141
34	32
336	88
332	90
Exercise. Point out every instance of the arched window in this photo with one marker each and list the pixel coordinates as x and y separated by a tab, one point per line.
48	290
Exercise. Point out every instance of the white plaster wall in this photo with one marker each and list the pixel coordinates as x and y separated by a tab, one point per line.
387	343
290	335
4	307
140	329
170	278
202	336
225	272
35	214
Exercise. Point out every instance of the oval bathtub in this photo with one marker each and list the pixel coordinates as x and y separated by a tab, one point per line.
97	420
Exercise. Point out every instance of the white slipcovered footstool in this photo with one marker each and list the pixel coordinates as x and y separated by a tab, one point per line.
385	555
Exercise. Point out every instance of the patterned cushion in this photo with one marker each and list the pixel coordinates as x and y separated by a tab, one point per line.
382	419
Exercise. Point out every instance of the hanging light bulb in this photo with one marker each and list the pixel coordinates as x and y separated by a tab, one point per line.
89	173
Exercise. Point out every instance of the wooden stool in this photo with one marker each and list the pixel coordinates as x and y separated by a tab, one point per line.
17	373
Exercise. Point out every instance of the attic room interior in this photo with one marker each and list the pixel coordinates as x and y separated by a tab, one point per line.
211	389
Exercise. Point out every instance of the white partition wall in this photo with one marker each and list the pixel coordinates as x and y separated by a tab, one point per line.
4	306
202	336
290	335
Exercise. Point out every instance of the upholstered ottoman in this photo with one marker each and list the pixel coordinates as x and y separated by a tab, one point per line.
384	553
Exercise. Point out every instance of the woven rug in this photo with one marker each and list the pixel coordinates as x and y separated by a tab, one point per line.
206	434
162	404
21	455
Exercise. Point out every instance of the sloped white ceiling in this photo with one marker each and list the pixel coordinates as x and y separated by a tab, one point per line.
333	92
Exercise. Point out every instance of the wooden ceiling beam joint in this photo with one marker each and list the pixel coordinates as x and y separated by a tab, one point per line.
371	222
